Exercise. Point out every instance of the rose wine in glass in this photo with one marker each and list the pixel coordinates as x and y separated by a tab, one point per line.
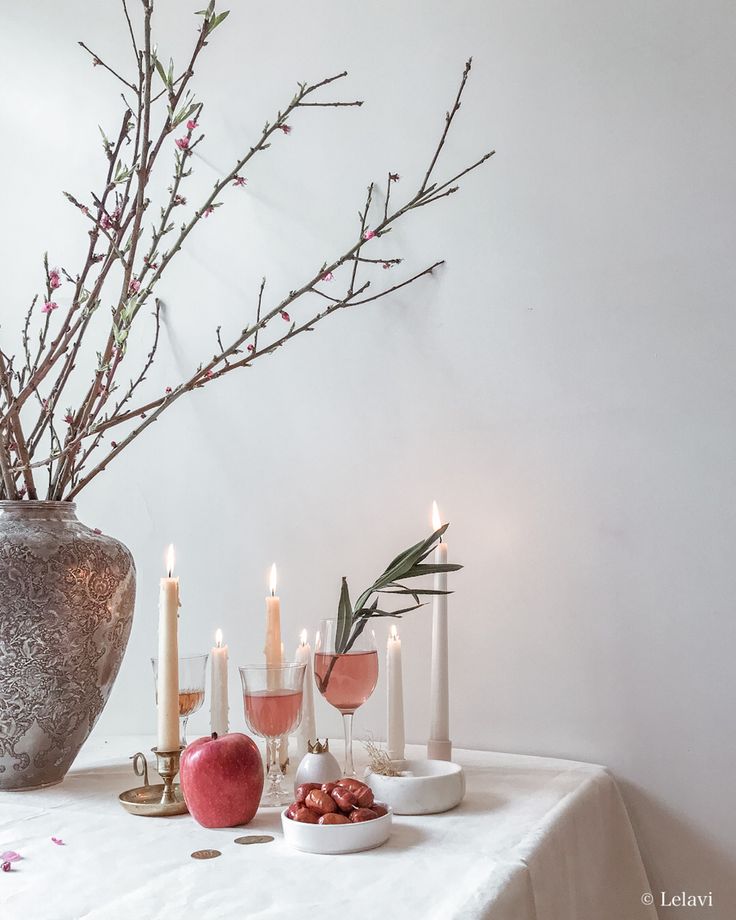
272	700
345	679
192	671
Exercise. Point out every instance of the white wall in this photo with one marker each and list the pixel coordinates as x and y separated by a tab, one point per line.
564	388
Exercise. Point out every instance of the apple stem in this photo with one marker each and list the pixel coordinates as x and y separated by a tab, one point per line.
214	736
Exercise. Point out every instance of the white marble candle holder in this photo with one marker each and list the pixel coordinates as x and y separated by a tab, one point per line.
426	787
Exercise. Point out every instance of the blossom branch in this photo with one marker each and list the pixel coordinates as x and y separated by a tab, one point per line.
117	217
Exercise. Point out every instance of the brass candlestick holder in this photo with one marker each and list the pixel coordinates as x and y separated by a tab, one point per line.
160	800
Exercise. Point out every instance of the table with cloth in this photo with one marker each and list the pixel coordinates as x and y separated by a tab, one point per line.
535	839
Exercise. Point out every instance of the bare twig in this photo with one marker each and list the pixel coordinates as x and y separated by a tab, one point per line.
97	61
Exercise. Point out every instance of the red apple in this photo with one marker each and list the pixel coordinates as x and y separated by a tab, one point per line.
222	779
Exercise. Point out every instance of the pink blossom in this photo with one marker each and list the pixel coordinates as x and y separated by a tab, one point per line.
116	214
96	61
168	389
208	211
285	316
251	348
135	286
10	856
58	841
68	418
105	222
152	265
285	128
182	143
179	199
239	181
113	444
369	234
328	276
192	124
388	265
49	306
54	279
209	375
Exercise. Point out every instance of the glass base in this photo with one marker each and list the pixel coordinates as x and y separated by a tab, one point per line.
278	800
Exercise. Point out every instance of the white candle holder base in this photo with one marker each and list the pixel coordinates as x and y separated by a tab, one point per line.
439	750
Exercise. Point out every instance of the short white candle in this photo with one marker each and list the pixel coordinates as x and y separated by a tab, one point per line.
219	708
395	740
439	746
167	685
306	731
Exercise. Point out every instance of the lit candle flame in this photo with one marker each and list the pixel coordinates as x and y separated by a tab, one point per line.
436	519
272	580
303	637
394	633
170	560
218	638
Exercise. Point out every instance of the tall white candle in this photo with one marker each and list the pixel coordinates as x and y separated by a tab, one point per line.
274	647
167	689
395	739
439	746
306	731
219	709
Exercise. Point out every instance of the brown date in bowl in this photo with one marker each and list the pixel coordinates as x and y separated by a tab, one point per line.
363	794
334	818
303	790
320	802
363	814
344	799
305	815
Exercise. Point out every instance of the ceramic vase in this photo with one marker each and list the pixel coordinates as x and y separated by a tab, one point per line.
66	608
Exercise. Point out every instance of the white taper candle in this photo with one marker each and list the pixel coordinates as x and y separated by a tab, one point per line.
439	746
167	684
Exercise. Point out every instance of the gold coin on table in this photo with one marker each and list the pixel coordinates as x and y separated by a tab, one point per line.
205	854
254	838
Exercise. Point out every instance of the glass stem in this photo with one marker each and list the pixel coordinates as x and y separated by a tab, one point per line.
274	769
347	722
183	739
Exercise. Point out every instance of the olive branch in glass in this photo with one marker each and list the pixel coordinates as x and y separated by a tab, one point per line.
409	564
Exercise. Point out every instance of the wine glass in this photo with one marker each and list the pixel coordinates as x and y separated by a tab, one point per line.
272	699
191	688
345	679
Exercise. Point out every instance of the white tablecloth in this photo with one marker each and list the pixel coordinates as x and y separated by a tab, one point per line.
535	839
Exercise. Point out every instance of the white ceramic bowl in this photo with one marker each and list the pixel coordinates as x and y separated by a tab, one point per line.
434	786
331	839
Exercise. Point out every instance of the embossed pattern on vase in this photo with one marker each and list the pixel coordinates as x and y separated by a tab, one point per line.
66	609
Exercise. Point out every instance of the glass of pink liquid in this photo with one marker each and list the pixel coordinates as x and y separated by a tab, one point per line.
192	671
346	680
272	699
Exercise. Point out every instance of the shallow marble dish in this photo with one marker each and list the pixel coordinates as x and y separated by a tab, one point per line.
332	839
432	787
